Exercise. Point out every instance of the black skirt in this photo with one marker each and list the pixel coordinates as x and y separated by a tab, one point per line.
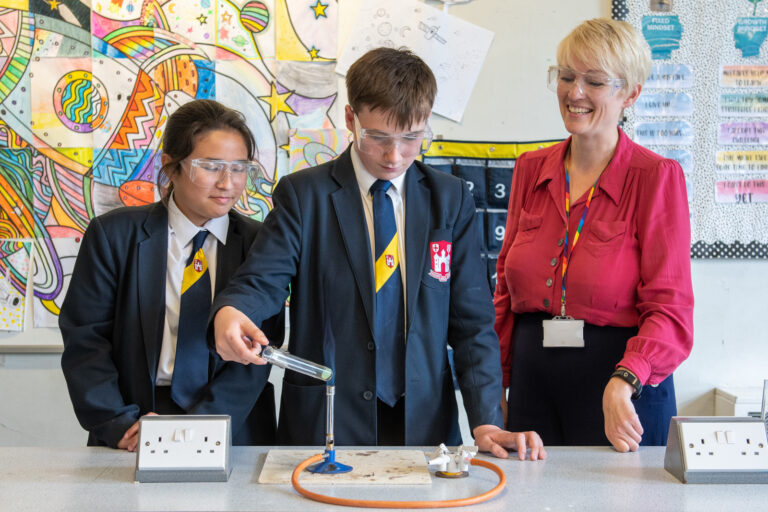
558	392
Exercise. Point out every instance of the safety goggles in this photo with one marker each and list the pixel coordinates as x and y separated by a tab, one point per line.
207	171
591	83
376	143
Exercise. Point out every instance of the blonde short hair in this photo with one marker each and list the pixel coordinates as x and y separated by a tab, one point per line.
613	46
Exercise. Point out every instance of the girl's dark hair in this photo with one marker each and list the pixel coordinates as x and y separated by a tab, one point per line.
189	121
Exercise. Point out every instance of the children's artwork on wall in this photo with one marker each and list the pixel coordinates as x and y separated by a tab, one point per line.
240	25
74	12
306	30
63	204
124	177
313	111
54	260
62	96
310	147
14	270
17	218
85	94
453	48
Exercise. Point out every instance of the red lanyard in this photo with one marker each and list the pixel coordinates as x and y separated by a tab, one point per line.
566	250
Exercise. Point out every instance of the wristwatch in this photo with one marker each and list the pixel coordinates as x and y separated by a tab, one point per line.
630	378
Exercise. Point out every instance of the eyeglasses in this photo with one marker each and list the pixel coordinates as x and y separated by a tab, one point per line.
591	83
376	143
207	171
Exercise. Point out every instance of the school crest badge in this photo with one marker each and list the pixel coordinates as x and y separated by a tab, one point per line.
440	260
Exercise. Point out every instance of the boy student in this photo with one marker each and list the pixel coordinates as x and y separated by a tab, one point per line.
382	257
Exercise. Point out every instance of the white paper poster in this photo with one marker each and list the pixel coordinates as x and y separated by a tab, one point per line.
453	48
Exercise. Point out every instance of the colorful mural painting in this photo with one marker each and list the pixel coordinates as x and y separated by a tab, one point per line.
85	90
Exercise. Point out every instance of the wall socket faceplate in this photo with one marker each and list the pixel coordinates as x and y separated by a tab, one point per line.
717	449
184	448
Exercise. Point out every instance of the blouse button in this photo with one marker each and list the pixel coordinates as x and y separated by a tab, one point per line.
553	262
560	242
546	303
549	282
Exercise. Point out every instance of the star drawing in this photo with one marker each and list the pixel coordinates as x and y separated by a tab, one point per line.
277	102
319	9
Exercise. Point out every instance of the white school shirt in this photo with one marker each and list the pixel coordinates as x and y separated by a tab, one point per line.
181	231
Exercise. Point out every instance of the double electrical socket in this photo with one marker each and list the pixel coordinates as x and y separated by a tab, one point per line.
717	449
184	449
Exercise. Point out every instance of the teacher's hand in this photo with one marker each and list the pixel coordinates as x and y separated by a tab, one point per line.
622	425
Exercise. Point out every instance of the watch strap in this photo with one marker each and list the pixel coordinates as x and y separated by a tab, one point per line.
630	378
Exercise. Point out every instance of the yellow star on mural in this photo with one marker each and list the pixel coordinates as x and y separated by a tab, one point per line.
313	52
202	19
277	102
54	5
226	18
319	9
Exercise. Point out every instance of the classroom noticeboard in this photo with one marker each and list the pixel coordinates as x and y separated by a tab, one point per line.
706	106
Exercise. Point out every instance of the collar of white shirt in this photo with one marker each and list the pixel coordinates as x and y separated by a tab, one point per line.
365	179
185	230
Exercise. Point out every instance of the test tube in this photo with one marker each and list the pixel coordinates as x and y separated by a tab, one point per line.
283	359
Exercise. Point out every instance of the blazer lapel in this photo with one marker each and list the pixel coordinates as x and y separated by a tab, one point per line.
417	222
351	218
151	283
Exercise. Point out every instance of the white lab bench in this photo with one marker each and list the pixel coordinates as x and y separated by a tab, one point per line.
571	479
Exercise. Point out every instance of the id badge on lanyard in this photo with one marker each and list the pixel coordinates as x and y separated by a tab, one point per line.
564	330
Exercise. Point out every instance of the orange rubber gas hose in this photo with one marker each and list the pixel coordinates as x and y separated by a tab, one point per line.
347	502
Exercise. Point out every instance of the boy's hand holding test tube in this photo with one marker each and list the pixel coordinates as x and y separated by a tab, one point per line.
246	343
237	337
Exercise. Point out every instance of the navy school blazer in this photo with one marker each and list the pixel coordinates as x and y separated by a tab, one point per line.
112	324
316	239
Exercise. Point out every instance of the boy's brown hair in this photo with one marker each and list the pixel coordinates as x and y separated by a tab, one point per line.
395	81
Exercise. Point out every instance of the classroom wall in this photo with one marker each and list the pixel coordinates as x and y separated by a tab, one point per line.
510	102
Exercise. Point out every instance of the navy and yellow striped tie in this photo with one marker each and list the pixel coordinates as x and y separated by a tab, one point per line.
190	369
389	324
